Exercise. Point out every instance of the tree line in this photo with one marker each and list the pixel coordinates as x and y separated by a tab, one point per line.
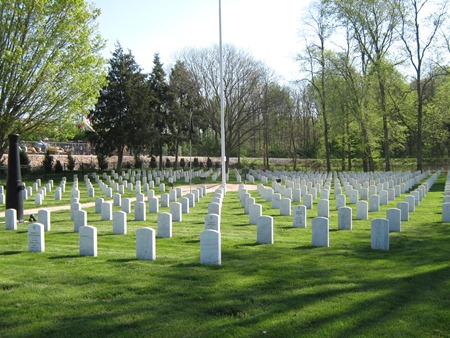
373	83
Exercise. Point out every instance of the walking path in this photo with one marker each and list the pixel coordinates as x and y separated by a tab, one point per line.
184	189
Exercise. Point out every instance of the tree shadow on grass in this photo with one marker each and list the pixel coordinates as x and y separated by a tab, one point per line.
10	253
65	257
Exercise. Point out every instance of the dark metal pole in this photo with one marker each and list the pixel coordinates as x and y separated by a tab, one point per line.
14	184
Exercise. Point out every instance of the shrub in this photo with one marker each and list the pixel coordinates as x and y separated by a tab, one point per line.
153	163
102	162
48	162
196	163
70	162
182	163
138	162
209	163
58	167
168	163
24	162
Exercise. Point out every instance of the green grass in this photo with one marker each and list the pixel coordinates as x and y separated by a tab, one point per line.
288	289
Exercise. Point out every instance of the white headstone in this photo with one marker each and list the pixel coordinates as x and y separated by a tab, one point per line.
345	218
153	205
191	198
36	240
107	211
340	201
446	212
38	199
79	219
285	207
308	201
10	219
126	205
184	205
374	203
139	211
164	200
164	221
411	200
117	200
175	210
323	207
88	241
255	211
276	198
120	223
98	205
362	210
404	210
214	208
299	216
210	247
264	228
320	232
91	192
145	244
380	234
44	218
212	222
58	194
394	216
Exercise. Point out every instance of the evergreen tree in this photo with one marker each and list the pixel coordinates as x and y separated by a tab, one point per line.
159	101
119	116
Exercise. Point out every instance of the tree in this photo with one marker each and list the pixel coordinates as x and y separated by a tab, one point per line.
159	106
244	80
119	115
314	61
185	109
373	25
50	64
419	32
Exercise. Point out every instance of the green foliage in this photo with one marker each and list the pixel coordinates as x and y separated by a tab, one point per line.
209	163
138	162
58	167
168	163
51	67
24	162
182	163
47	162
102	162
70	162
122	107
153	162
196	163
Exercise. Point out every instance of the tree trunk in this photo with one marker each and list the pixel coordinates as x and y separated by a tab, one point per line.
386	147
419	126
119	159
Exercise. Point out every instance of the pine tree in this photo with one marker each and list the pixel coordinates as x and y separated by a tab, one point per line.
118	117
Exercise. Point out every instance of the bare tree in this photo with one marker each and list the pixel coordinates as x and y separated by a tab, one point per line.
244	80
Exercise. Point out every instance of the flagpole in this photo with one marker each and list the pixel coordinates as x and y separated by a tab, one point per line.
222	100
190	151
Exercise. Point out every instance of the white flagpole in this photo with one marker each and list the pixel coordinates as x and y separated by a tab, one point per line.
222	100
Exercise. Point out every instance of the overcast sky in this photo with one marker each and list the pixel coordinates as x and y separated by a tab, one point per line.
269	30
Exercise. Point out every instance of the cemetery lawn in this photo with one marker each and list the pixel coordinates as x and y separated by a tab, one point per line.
288	289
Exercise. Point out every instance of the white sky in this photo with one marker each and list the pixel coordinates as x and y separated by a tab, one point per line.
269	30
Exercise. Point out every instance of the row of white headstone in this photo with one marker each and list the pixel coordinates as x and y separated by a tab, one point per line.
380	227
210	239
446	202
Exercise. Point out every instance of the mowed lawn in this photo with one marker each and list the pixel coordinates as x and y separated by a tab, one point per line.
288	289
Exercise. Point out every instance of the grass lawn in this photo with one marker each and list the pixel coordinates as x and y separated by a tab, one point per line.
288	289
